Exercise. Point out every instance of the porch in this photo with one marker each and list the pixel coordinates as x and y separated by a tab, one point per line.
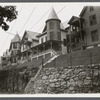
51	47
75	39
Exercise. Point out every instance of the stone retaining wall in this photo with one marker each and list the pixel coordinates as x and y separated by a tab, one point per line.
79	79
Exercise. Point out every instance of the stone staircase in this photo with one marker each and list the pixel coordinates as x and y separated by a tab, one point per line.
29	86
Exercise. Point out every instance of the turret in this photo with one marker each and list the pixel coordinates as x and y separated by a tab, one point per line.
15	44
53	26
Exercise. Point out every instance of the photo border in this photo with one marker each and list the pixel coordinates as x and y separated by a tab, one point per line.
4	97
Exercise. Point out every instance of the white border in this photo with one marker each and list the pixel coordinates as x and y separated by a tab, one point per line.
51	95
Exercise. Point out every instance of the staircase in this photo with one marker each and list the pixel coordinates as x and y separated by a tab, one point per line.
29	86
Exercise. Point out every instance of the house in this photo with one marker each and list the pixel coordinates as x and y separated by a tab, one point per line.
75	36
91	17
83	32
57	38
28	41
5	59
15	49
46	44
53	32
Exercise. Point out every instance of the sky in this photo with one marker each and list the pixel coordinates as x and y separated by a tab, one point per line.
32	17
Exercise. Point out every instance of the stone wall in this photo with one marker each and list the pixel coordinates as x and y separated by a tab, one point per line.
77	72
79	79
13	81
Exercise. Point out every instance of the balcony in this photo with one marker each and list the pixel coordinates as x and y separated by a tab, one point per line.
15	52
77	32
26	48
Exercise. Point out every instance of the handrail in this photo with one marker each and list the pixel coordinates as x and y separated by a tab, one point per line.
44	52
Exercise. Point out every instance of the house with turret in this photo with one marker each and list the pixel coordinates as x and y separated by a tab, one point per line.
58	38
15	49
50	41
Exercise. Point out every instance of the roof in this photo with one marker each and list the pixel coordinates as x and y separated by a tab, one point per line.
73	19
64	25
83	10
31	35
16	38
53	14
41	34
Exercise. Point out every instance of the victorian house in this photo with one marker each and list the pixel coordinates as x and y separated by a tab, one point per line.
28	41
15	49
46	44
56	38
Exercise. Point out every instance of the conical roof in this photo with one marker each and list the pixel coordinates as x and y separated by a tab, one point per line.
16	38
53	14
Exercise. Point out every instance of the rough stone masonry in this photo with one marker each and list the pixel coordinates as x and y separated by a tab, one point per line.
76	79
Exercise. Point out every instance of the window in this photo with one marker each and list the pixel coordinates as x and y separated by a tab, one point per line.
58	25
77	40
14	45
73	28
45	38
41	40
91	8
72	39
64	42
94	35
51	35
59	36
67	38
14	60
93	20
51	25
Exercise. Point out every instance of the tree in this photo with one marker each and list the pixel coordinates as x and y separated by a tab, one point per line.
7	14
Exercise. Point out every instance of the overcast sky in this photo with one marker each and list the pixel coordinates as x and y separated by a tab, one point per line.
37	13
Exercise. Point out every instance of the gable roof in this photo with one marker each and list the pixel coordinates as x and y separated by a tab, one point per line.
73	19
83	10
16	38
31	35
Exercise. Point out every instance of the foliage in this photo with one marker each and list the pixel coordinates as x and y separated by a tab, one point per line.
7	14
